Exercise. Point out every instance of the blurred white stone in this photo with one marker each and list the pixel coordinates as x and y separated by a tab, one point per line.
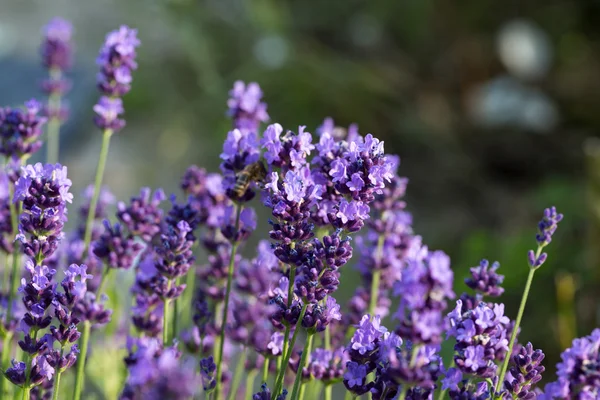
504	101
524	49
271	51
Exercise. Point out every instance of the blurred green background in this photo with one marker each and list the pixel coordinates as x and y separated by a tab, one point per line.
492	106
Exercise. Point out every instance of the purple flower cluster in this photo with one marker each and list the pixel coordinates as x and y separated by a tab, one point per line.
546	228
6	227
44	192
158	373
578	372
245	106
116	61
424	287
480	338
20	130
57	53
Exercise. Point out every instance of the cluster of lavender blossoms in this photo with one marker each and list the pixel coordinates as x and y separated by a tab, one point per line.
208	315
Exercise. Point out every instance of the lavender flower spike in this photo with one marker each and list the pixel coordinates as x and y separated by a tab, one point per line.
116	61
546	228
57	53
20	130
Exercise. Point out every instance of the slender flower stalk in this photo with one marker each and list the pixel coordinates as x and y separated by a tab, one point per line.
116	61
303	358
237	375
546	228
219	359
288	355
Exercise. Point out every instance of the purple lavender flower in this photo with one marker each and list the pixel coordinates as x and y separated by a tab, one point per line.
481	338
156	373
485	280
20	130
424	287
546	228
240	150
44	192
524	373
578	372
6	227
108	112
57	51
245	106
115	248
265	394
57	48
116	61
142	217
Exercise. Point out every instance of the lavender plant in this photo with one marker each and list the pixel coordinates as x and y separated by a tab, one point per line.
271	312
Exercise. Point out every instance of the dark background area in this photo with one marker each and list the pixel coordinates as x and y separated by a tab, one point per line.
492	106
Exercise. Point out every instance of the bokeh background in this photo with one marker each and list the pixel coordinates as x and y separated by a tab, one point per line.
492	106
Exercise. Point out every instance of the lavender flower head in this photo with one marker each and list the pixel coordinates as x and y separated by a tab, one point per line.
578	372
485	280
245	106
57	48
44	192
57	53
116	61
546	228
20	130
142	217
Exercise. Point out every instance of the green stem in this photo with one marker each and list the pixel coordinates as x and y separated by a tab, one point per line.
189	293
250	383
6	271
328	392
52	145
513	335
6	347
237	376
87	237
79	378
265	372
303	359
286	358
105	274
290	297
29	366
374	292
219	360
165	332
349	395
402	395
26	394
175	314
57	379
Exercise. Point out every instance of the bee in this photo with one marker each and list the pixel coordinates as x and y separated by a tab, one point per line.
255	172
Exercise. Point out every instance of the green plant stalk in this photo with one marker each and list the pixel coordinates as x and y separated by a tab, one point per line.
6	274
402	395
52	146
328	392
175	313
237	376
28	362
79	377
57	378
87	237
189	293
375	279
219	360
513	336
5	360
265	371
291	280
348	395
250	383
286	360
303	359
165	332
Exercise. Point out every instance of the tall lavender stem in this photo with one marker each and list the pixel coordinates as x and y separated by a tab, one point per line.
305	352
54	103
546	228
286	357
85	339
106	135
219	360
